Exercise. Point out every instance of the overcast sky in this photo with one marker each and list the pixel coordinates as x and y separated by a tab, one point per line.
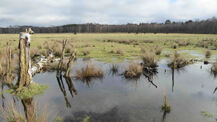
58	12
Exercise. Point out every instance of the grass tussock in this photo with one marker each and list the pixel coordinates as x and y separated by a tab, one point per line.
158	50
178	61
133	42
90	71
148	41
134	70
28	92
214	69
86	52
208	54
120	51
207	43
183	43
149	59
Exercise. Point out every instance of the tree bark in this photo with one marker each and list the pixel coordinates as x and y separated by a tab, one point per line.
69	64
25	76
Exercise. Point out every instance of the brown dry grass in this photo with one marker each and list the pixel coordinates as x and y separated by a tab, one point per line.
134	70
89	71
208	54
178	61
149	59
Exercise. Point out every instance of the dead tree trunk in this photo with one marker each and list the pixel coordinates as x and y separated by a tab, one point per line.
25	76
69	64
59	72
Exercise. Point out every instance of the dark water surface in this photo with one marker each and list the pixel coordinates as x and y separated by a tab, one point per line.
114	98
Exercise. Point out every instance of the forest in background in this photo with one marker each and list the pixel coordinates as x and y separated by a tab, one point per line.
208	26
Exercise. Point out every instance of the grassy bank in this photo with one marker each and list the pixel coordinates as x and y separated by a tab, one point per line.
113	47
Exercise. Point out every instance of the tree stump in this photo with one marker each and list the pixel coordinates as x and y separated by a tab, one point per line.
25	76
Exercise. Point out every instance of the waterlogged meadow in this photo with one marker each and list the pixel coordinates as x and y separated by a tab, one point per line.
114	78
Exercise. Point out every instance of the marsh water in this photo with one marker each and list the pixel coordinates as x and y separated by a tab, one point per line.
116	99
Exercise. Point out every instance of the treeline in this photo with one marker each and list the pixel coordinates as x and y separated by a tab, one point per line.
208	26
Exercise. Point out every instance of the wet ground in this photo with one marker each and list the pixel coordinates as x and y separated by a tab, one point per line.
116	99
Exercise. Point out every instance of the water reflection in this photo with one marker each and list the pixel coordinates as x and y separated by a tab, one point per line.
149	74
71	88
29	109
111	115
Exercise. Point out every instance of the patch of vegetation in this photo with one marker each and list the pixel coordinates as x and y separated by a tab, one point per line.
208	54
134	70
178	61
166	107
59	119
206	114
158	50
214	69
149	60
89	71
28	92
86	119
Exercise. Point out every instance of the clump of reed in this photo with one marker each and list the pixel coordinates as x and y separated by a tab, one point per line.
134	42
90	71
208	54
178	61
149	59
57	49
165	107
183	43
174	45
134	70
68	49
214	69
158	50
120	51
86	52
207	43
143	49
148	41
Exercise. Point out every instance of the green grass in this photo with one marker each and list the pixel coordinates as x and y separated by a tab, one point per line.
102	50
28	92
206	114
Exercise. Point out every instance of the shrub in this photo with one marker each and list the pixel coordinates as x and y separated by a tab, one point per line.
134	70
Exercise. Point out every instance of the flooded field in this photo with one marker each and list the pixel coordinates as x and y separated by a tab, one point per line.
112	98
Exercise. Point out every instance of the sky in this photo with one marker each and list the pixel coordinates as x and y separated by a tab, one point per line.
60	12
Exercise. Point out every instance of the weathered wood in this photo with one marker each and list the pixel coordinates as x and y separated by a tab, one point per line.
59	71
24	77
69	64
